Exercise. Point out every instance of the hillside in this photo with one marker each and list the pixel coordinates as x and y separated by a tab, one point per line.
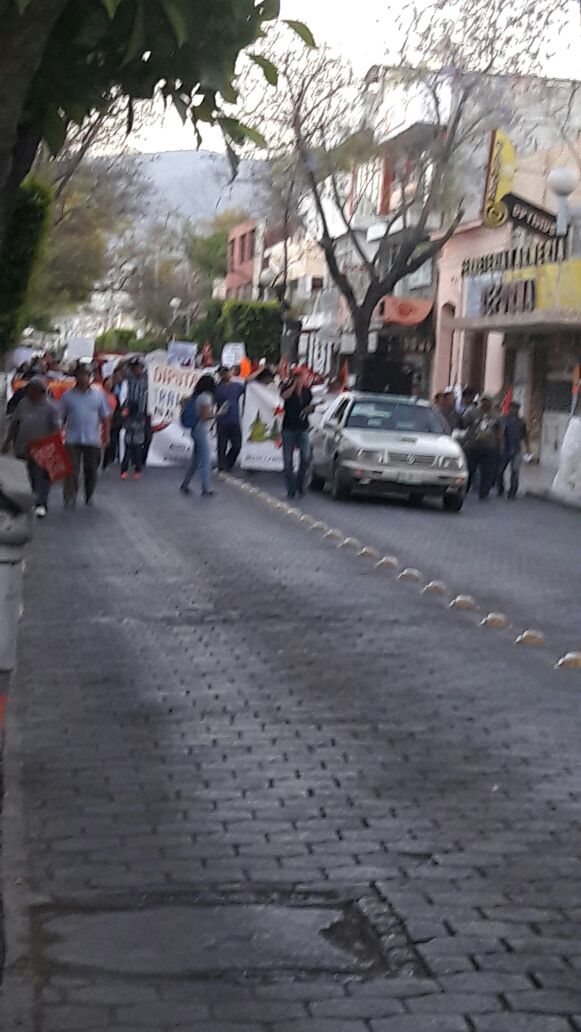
198	184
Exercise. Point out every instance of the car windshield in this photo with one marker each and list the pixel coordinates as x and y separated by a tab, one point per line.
377	414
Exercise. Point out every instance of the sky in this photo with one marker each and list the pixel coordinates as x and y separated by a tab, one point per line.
359	31
361	38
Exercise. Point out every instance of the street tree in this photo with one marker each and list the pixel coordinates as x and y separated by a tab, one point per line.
60	60
435	102
153	270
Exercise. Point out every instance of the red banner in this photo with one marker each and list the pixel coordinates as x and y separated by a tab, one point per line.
51	454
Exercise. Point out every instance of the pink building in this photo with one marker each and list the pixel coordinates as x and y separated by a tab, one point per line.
241	260
470	358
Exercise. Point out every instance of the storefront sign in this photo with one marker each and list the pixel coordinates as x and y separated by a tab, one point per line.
509	298
546	253
499	180
523	213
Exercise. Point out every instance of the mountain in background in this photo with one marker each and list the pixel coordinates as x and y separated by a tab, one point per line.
197	185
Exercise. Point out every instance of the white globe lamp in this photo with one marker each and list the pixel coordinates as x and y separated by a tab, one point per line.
563	181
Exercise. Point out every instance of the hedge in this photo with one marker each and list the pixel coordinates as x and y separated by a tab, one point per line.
255	323
25	235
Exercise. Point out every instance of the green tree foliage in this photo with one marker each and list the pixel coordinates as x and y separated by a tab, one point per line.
25	236
257	324
62	59
124	342
208	247
97	200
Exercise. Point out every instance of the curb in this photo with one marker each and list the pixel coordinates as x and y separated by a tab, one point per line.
545	494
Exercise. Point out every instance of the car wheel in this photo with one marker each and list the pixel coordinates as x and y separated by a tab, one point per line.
317	482
340	491
453	503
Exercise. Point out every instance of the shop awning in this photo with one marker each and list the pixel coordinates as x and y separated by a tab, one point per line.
405	311
525	322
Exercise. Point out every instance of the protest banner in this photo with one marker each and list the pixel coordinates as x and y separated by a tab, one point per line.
232	354
50	453
168	386
182	352
262	429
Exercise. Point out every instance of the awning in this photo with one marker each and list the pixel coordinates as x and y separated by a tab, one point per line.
526	322
405	311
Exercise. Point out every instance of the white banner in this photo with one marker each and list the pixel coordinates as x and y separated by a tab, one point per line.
262	429
182	352
170	446
168	386
232	354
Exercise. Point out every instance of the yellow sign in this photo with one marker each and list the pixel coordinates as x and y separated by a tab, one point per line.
558	286
499	180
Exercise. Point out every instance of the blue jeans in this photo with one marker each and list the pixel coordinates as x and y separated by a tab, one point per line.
292	439
200	459
514	460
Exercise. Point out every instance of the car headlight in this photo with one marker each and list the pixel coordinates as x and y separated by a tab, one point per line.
451	463
367	456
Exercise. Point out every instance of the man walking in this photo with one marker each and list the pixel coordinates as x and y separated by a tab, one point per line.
34	417
228	394
85	413
298	405
483	447
515	435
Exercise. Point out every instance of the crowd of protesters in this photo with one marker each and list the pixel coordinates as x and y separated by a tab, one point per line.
494	438
91	414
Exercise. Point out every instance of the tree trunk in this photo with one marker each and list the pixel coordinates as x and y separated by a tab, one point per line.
361	320
23	41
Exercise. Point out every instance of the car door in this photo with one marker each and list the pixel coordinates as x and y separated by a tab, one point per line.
332	434
319	436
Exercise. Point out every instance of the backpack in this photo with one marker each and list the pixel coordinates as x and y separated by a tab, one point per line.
190	417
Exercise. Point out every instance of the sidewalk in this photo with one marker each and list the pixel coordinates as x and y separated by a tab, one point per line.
537	481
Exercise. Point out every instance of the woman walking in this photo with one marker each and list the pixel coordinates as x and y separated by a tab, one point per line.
202	408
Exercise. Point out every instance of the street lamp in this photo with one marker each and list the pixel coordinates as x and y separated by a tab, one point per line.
563	181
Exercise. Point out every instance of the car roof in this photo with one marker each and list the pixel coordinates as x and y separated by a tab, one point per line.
400	399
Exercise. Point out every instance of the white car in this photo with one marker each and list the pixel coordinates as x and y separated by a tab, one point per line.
387	444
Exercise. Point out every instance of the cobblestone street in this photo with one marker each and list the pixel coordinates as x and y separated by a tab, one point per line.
255	784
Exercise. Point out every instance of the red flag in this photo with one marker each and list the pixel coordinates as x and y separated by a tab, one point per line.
506	402
51	454
207	355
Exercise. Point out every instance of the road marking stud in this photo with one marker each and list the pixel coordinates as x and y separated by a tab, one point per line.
254	490
372	553
495	621
571	661
282	506
319	526
388	562
294	512
336	535
463	602
409	574
350	542
309	520
435	587
530	638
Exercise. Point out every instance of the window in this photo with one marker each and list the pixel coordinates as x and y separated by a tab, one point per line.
396	416
340	410
316	284
231	247
251	244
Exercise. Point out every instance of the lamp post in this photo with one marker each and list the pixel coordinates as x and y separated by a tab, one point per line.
563	182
